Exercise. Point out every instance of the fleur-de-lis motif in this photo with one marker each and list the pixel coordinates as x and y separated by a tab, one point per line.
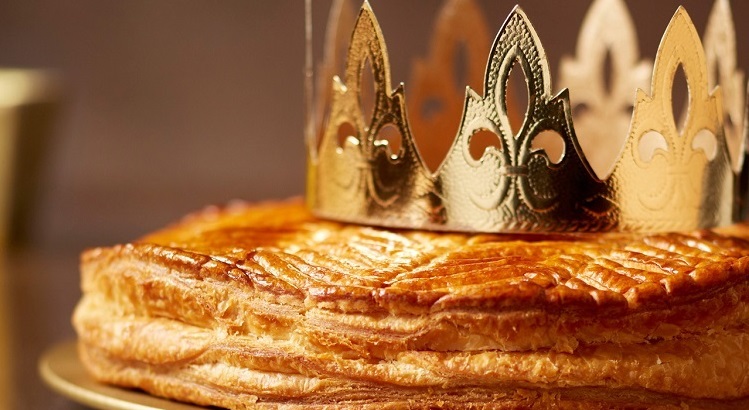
720	53
340	25
663	168
602	112
665	179
435	89
527	185
364	175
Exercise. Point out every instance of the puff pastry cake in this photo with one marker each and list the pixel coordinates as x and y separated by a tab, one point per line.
264	306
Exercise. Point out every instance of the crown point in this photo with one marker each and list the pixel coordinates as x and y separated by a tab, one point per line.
683	181
601	95
720	52
681	12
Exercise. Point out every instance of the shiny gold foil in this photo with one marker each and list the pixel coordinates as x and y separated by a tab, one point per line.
720	53
664	177
604	111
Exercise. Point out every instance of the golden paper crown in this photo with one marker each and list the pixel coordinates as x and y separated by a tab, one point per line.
642	171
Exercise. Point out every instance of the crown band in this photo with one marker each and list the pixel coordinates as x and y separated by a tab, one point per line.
666	178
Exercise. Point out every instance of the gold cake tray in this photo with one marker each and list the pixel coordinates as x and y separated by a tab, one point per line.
62	371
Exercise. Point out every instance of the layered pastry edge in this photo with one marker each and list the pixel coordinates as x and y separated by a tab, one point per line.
216	313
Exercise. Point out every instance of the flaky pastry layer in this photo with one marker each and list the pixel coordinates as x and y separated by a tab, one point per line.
266	304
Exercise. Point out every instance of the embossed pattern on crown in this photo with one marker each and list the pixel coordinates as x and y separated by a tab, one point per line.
367	167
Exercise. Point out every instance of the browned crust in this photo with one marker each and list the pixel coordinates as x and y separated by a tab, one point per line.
282	248
475	291
354	294
198	290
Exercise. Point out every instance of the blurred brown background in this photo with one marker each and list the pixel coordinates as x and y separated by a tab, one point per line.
170	105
